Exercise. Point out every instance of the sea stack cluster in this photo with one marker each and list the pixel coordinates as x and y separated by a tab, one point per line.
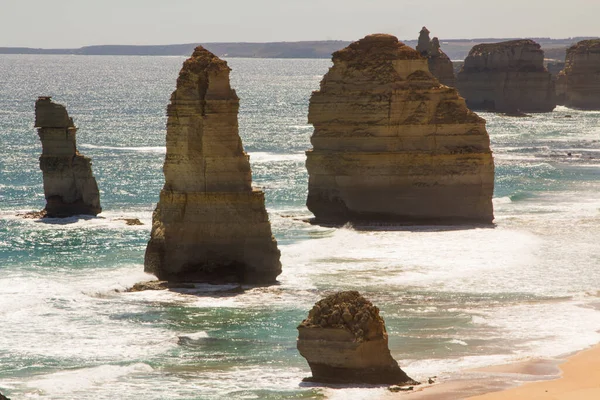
578	85
69	185
439	63
209	224
344	341
392	144
507	77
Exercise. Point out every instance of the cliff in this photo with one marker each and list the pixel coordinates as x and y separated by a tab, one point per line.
209	224
507	77
439	63
391	143
578	84
69	185
344	340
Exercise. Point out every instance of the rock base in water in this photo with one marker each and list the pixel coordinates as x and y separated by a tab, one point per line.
344	341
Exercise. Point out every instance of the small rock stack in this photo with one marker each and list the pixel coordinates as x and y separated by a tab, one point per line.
439	63
69	185
344	341
210	225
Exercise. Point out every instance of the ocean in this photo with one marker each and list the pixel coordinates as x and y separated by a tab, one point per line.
453	298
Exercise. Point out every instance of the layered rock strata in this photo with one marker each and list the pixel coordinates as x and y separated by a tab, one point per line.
344	340
578	84
439	63
507	77
209	224
392	144
69	185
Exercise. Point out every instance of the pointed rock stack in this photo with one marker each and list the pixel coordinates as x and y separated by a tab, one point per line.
69	185
578	85
344	340
392	144
507	77
209	224
439	63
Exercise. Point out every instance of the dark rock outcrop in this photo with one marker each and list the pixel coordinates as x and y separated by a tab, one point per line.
344	340
210	224
507	77
69	185
392	144
439	63
578	84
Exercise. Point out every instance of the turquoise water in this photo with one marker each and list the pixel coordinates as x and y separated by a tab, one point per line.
452	298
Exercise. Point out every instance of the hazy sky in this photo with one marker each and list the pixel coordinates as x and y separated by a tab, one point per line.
75	23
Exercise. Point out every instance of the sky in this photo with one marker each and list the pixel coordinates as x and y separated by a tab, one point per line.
76	23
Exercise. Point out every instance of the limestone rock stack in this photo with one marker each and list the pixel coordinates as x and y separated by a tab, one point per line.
69	185
209	224
439	63
578	85
344	340
392	144
507	77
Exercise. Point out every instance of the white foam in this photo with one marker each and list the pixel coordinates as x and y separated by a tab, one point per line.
141	149
264	157
65	382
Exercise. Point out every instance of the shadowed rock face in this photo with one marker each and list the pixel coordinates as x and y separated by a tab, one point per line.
392	144
69	185
507	77
439	63
578	84
209	224
344	341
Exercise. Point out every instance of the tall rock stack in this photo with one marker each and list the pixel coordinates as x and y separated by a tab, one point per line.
439	63
209	224
392	144
69	185
578	85
507	77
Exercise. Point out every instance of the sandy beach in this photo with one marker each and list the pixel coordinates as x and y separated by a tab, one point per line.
576	378
580	380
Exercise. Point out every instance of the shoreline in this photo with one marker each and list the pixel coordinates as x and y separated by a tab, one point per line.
575	376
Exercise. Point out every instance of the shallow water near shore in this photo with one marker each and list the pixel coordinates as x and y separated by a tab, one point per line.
453	299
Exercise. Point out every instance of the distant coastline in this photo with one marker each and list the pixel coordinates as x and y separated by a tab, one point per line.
456	49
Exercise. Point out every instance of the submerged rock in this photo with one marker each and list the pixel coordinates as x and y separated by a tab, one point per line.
439	63
2	397
210	225
578	84
69	185
344	340
506	77
392	144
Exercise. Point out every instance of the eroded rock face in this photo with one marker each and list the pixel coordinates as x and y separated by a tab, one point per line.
578	84
69	185
439	63
344	340
392	144
209	224
507	77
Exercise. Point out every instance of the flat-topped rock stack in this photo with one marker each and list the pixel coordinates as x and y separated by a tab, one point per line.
392	144
69	185
439	63
209	224
507	77
578	84
344	340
